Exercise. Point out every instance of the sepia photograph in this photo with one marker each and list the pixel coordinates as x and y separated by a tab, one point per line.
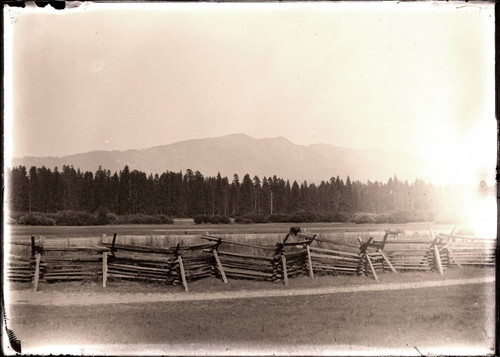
249	178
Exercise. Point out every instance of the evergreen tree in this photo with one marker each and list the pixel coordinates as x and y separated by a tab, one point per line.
124	191
288	198
45	190
218	196
257	192
19	197
210	205
295	203
265	197
87	194
56	191
246	196
235	196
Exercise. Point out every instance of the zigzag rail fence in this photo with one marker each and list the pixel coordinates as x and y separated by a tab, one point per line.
299	253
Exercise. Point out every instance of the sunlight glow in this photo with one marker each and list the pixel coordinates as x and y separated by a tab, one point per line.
481	214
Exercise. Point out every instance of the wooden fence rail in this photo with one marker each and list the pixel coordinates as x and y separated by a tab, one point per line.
297	254
249	265
173	265
468	250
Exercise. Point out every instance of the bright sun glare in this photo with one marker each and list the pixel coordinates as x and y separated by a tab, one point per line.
481	214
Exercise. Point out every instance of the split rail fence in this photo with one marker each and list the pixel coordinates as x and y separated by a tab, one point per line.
299	253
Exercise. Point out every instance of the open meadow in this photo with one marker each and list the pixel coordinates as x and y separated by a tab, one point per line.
187	227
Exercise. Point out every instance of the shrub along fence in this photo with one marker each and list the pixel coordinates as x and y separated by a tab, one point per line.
299	253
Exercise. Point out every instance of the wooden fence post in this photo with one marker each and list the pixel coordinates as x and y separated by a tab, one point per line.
437	259
363	247
219	265
311	272
33	251
37	271
285	272
371	266
437	256
183	275
104	269
450	250
387	261
113	243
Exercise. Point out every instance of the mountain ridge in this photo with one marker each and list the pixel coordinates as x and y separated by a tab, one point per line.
243	154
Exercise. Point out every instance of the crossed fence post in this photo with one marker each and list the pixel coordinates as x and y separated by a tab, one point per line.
297	232
437	255
36	251
279	253
217	260
447	246
105	253
364	256
178	256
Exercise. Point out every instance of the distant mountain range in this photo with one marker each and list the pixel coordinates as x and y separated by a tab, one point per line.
242	154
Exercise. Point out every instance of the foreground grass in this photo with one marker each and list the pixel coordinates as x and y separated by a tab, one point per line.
423	318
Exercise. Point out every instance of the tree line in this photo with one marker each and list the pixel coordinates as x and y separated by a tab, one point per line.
189	194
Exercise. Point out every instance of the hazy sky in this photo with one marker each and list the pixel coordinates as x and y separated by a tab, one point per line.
413	77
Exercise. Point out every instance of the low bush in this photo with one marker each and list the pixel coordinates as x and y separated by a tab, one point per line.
102	216
278	218
144	219
342	217
256	218
383	218
164	219
201	219
82	218
15	214
326	218
215	219
74	218
401	216
35	219
239	219
112	218
303	216
398	217
363	217
423	215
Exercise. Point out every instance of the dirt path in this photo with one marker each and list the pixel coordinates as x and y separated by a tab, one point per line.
28	297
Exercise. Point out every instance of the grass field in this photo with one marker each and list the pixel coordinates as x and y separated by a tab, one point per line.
435	320
431	319
190	229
